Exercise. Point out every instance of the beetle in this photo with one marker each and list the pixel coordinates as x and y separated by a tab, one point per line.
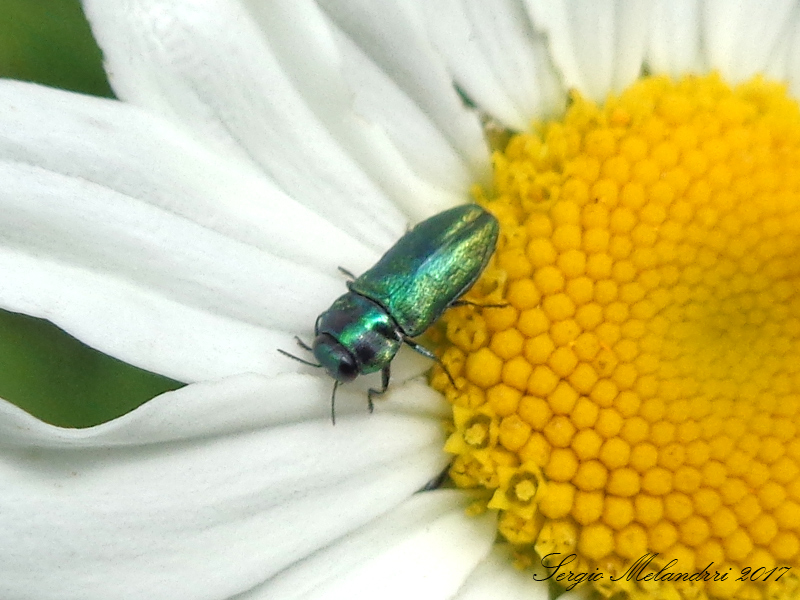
408	289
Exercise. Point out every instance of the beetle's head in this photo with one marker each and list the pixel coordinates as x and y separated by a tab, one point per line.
337	360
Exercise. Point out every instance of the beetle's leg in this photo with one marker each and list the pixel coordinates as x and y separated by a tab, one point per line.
425	352
304	346
384	384
455	303
333	401
436	482
348	273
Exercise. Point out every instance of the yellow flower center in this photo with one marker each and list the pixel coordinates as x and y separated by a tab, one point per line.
640	391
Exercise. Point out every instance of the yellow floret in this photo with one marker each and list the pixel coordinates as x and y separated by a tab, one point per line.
523	294
559	431
584	414
615	453
516	373
591	475
634	428
503	399
694	530
507	344
557	500
639	391
562	465
483	368
549	280
624	482
586	444
677	506
596	541
662	536
631	542
643	456
649	509
617	512
587	507
514	432
707	501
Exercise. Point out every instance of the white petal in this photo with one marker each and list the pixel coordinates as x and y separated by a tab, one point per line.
116	512
371	117
414	397
743	38
395	38
128	150
496	579
422	549
497	59
598	45
208	66
144	284
289	91
674	46
237	404
792	70
122	231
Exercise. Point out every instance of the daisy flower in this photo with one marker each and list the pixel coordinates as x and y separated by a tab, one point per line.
625	420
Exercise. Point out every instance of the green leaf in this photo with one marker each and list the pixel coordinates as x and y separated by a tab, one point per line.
43	370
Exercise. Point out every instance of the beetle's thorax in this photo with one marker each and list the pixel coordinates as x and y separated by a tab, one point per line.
357	326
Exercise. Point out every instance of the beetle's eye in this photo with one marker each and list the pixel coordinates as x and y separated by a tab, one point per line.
337	360
348	369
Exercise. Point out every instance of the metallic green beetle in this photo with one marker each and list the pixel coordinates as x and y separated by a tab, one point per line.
409	288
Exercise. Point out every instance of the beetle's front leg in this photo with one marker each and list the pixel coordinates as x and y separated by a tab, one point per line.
385	374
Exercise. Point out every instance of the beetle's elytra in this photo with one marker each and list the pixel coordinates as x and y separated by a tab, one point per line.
407	290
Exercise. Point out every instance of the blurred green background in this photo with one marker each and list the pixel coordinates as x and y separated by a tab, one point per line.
49	41
42	369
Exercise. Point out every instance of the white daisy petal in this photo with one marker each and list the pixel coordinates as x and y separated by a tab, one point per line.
394	36
144	284
743	38
495	579
371	117
414	396
598	46
123	148
675	35
180	59
496	58
127	517
423	549
792	67
210	409
632	31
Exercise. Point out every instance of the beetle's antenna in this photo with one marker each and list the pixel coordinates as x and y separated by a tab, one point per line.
302	344
333	401
348	273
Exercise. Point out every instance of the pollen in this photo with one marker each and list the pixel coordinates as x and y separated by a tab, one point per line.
627	373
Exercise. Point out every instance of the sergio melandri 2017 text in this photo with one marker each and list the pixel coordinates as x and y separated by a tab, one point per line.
569	579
